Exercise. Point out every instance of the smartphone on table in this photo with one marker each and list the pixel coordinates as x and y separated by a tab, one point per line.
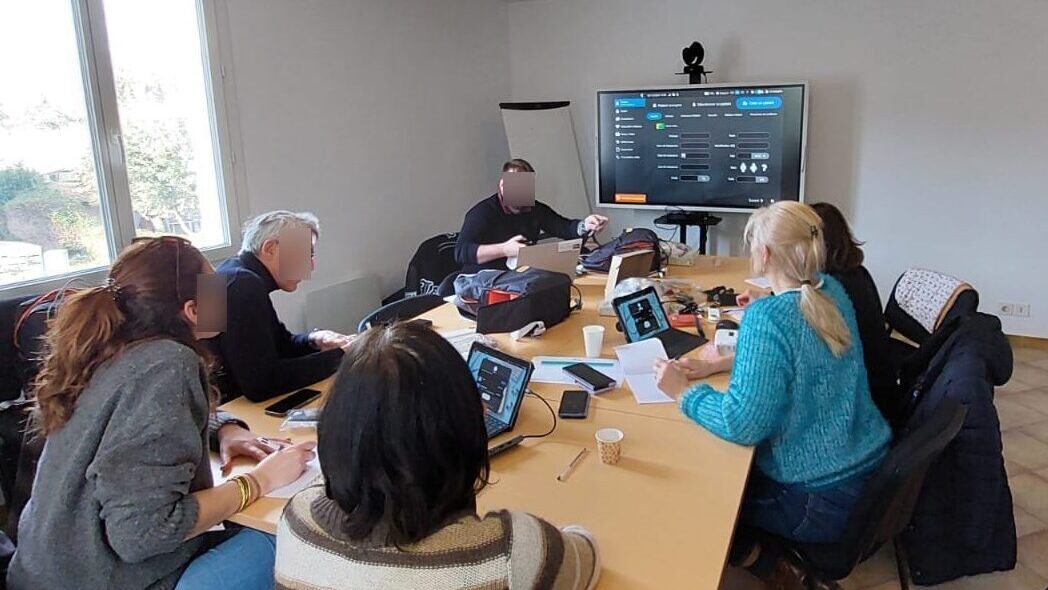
298	399
574	405
589	378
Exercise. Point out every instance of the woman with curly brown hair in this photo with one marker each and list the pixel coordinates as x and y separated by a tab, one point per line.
123	496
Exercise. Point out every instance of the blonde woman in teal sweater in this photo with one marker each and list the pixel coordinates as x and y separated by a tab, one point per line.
798	390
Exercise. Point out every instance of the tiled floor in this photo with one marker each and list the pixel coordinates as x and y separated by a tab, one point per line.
1022	406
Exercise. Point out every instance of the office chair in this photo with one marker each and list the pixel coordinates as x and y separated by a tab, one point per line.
887	504
400	310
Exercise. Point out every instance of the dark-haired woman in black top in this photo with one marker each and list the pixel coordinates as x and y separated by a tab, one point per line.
844	258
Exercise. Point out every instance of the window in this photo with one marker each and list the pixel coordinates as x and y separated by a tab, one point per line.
111	128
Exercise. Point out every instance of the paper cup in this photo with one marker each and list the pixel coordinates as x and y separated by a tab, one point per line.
593	338
609	445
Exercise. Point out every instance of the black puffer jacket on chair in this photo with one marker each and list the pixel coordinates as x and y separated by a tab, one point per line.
963	523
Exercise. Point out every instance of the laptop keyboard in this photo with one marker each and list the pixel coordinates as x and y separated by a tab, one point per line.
493	424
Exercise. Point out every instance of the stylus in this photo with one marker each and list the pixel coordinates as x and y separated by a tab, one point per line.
505	446
571	466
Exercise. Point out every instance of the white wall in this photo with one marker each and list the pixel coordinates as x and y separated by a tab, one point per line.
381	116
928	123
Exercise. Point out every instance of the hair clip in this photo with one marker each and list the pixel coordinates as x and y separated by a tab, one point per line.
112	288
814	231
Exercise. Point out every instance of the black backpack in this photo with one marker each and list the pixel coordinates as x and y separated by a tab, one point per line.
504	300
631	240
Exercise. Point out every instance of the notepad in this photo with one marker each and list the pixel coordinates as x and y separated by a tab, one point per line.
638	365
310	475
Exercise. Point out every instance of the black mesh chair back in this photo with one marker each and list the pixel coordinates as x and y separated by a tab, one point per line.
400	310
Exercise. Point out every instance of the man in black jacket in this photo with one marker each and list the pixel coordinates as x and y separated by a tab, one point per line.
259	358
495	229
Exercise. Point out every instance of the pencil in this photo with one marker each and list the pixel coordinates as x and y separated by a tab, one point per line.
571	466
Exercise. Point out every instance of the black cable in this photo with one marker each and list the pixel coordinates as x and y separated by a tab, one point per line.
554	414
674	228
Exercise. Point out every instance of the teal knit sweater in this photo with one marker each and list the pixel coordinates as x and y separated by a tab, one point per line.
809	413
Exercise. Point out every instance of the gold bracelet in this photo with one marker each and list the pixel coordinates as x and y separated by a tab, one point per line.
254	487
240	490
241	484
247	492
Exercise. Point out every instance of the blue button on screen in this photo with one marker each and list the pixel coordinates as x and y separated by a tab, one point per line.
631	103
758	102
654	116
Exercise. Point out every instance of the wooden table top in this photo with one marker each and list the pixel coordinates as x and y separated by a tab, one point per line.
663	516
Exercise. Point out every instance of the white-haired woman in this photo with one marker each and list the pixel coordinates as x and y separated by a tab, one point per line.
798	391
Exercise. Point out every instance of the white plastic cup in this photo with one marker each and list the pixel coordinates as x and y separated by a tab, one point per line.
593	338
609	445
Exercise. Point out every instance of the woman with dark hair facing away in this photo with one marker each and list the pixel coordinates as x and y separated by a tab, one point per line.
123	495
844	258
403	450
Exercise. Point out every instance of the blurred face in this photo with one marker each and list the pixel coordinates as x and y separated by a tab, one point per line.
290	258
517	190
207	312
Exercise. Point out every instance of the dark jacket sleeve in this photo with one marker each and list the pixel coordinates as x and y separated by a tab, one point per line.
469	239
145	464
290	344
217	421
257	354
552	223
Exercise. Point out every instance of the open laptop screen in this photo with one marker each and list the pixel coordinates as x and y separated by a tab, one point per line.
502	383
641	315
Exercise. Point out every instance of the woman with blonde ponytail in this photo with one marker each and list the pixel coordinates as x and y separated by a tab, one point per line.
798	392
123	495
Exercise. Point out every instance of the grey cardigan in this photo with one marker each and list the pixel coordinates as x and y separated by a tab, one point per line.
111	504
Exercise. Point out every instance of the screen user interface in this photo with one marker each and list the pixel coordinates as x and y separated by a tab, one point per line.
643	316
719	147
501	384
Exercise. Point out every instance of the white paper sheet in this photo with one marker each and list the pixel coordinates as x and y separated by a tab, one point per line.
759	282
638	365
550	369
308	477
463	339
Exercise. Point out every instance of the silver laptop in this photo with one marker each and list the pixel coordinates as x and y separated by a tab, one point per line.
560	256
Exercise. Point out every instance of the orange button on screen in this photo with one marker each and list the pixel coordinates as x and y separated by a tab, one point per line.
631	198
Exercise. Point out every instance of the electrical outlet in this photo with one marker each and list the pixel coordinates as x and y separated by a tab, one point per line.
1019	310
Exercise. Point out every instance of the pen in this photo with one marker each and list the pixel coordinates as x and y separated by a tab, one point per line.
567	470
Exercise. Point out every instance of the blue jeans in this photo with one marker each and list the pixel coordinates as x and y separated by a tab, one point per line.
791	512
244	562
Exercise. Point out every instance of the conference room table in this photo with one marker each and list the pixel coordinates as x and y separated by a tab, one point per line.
663	516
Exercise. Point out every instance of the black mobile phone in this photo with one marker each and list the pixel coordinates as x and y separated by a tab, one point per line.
589	378
574	405
297	399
